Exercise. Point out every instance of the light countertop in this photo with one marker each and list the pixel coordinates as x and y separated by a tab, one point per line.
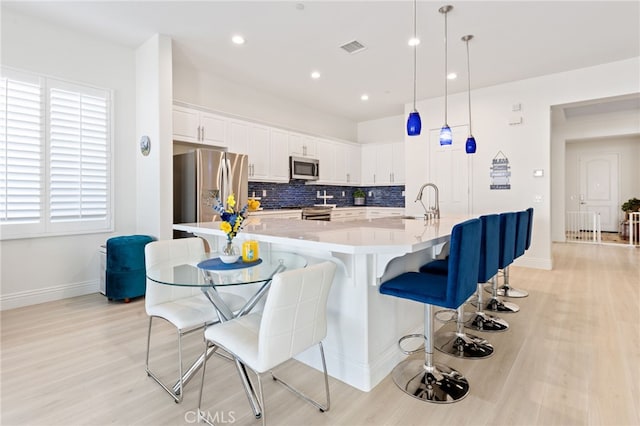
383	235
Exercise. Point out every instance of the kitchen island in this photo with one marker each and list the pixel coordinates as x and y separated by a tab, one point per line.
363	326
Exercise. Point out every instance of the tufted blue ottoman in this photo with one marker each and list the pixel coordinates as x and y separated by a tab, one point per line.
125	274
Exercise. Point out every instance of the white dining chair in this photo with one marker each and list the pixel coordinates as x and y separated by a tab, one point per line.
294	319
186	308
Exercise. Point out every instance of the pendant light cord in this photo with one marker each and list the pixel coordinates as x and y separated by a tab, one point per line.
445	68
415	53
469	86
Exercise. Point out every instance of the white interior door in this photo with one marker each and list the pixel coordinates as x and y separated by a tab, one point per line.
599	187
450	170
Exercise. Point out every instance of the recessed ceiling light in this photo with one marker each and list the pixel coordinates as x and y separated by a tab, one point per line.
315	75
237	39
364	97
414	41
452	76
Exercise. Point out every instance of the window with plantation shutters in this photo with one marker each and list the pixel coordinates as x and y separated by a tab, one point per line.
54	158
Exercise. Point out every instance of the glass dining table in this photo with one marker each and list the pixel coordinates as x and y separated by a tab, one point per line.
210	274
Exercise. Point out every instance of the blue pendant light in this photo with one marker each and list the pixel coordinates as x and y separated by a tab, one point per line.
470	146
445	132
414	123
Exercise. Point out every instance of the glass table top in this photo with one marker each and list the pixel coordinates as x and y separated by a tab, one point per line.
184	271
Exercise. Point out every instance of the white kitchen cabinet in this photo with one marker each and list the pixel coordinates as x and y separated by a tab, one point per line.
383	164
378	212
302	145
348	213
353	164
279	166
192	125
259	153
347	164
276	214
369	154
326	155
238	140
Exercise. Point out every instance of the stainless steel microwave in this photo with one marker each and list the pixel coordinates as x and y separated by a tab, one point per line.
304	168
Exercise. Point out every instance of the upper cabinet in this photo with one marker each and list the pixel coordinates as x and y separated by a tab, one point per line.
279	164
269	148
191	125
268	159
302	145
383	164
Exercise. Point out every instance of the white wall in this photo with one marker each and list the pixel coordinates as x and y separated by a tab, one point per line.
217	94
40	269
386	129
527	146
154	100
619	131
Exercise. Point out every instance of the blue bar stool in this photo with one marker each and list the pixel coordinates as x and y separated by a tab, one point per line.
426	380
508	223
529	228
489	254
522	224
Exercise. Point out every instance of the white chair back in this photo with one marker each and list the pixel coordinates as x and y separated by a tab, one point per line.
295	313
165	251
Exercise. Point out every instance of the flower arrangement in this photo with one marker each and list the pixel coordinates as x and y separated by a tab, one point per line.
232	218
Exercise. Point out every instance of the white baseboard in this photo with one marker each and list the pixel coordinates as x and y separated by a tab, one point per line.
48	294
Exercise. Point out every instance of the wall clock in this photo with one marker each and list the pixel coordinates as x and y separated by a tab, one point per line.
145	145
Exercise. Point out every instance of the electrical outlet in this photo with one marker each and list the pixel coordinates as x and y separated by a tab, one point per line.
264	192
343	193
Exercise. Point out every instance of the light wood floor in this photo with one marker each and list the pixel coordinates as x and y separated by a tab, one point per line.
572	357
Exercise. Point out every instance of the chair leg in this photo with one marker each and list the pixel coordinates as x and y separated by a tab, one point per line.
460	344
495	304
483	322
507	291
177	397
426	380
201	414
322	407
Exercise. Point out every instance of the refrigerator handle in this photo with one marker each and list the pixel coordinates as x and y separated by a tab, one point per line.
227	177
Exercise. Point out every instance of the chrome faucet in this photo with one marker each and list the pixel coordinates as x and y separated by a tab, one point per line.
435	210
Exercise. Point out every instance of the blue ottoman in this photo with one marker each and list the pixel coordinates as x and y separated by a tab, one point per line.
125	273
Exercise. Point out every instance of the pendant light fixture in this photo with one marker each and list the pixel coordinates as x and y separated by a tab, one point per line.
470	146
414	124
445	132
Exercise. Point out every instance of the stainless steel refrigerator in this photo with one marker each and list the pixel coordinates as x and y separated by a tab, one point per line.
202	175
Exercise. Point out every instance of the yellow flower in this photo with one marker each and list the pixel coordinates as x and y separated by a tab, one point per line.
231	201
253	205
225	227
236	226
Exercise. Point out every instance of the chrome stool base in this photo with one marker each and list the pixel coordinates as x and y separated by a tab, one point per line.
496	305
484	322
463	345
506	291
437	383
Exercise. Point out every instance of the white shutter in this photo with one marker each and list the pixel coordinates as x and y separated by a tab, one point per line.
79	164
21	156
55	157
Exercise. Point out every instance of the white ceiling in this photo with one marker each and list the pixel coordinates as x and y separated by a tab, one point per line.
286	40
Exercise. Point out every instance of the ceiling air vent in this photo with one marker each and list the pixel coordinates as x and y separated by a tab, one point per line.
353	47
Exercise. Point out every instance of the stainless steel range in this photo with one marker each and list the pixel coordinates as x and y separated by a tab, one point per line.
316	213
